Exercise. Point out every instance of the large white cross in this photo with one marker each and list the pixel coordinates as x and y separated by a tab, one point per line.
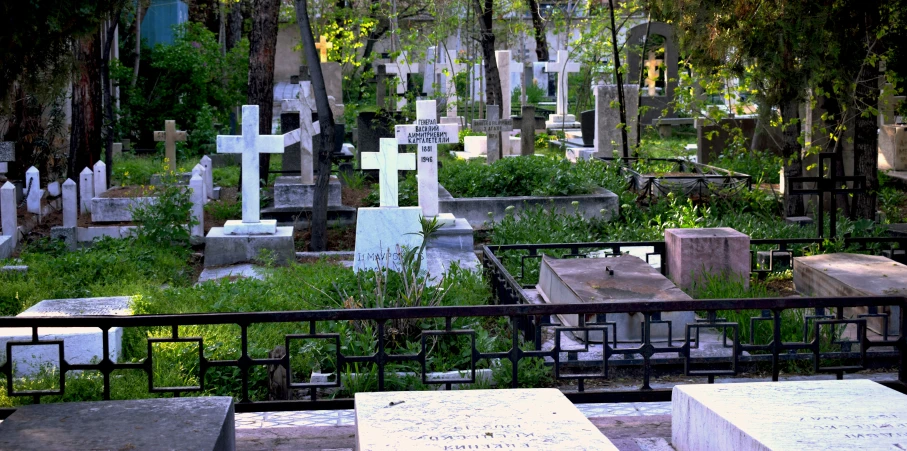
388	161
401	68
427	134
563	67
250	144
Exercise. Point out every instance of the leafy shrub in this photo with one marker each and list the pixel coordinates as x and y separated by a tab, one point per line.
167	220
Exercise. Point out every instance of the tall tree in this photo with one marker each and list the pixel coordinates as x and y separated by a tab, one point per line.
85	135
319	240
538	26
262	50
485	16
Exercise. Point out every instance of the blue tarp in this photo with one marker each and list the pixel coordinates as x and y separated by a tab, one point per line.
162	15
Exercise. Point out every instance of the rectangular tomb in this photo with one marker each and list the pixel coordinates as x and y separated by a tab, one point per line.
845	274
539	419
805	415
583	280
197	423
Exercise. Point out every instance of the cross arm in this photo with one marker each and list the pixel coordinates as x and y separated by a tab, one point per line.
229	144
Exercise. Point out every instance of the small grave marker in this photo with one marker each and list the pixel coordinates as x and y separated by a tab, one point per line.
86	189
170	136
563	68
652	65
427	134
100	178
8	211
323	46
388	161
33	190
492	126
70	204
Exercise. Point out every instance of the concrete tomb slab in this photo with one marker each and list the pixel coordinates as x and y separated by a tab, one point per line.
586	280
379	233
776	416
854	275
222	248
190	424
540	419
81	345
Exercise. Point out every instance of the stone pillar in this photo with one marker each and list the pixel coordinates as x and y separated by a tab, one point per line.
199	170
70	204
86	190
197	185
502	58
10	224
117	149
33	188
527	130
100	178
608	138
691	253
209	175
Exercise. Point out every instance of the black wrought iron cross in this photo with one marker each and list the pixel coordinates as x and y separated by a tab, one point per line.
832	184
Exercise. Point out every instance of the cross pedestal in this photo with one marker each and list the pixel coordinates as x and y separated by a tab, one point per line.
563	68
170	136
426	133
493	125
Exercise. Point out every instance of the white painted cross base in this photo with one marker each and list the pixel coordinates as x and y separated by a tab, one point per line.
262	227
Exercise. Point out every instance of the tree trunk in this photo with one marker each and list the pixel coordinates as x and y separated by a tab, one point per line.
85	136
204	12
486	37
541	41
865	145
107	89
140	8
326	120
262	49
618	77
790	152
234	25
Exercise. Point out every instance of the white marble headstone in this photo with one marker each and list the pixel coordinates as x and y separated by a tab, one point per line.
86	190
804	415
33	188
10	223
100	178
70	204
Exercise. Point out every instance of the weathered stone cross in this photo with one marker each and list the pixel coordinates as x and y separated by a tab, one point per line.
170	136
305	105
427	134
402	68
388	161
563	67
493	125
250	144
652	75
323	46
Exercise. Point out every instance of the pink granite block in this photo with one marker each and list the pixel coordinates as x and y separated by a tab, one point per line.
691	252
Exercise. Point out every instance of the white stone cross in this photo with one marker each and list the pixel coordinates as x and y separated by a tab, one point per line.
427	134
402	68
493	125
305	104
563	67
388	161
652	74
170	136
250	144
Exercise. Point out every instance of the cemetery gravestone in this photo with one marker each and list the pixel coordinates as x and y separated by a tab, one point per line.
7	155
893	147
86	190
170	136
382	233
10	223
502	58
205	161
636	38
33	190
426	133
448	69
540	418
70	204
563	68
575	281
198	197
527	130
492	126
711	140
100	178
690	253
402	68
829	415
608	140
242	241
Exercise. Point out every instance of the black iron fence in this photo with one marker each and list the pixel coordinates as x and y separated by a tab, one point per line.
836	339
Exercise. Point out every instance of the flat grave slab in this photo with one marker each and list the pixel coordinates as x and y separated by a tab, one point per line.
81	345
204	423
853	275
827	415
585	280
540	419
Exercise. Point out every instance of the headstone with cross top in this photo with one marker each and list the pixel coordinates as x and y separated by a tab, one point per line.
562	67
250	144
305	105
323	46
401	67
388	161
493	125
652	65
426	133
832	184
170	136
